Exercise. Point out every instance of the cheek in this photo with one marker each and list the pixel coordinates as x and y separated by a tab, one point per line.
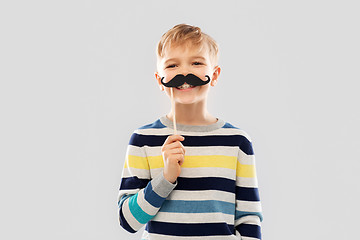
202	73
205	87
168	76
168	91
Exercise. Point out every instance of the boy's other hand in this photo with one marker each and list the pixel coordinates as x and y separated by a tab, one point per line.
173	153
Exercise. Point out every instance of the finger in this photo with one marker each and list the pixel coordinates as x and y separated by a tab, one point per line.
181	161
182	146
179	158
173	145
173	138
176	151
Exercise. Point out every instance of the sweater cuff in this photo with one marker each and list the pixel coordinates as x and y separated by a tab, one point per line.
162	186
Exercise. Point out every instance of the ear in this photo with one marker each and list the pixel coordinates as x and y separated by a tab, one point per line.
158	78
215	75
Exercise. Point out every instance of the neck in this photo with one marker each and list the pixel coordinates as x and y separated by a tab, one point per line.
192	114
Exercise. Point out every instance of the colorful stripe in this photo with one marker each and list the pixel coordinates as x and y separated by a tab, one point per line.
152	197
124	223
209	206
152	162
228	125
209	161
215	195
249	230
240	214
133	183
190	229
247	194
195	141
141	216
157	125
206	183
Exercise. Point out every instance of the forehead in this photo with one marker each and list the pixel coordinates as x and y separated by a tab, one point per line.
186	51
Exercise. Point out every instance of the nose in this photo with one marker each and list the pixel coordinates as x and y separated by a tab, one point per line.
185	71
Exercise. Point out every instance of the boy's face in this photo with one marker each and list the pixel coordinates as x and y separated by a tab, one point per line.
185	59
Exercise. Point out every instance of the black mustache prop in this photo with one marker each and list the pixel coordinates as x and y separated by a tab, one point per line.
180	79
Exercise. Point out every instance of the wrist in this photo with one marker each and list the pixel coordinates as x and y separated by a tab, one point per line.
169	179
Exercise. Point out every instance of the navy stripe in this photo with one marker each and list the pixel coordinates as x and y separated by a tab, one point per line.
190	229
249	230
247	194
206	183
124	223
195	141
133	183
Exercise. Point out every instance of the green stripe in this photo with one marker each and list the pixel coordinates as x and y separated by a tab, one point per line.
141	216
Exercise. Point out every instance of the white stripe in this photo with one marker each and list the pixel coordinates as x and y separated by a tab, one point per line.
194	217
140	173
169	131
202	195
155	172
247	182
248	238
131	220
155	131
244	238
199	151
153	151
127	192
145	205
135	150
248	206
250	219
208	172
243	158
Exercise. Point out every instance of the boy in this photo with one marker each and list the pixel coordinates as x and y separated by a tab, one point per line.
200	184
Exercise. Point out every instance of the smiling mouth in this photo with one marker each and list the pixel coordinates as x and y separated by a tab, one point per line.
185	86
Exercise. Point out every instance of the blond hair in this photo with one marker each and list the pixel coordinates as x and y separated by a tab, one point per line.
182	34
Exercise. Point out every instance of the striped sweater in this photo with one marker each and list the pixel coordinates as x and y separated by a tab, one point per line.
215	197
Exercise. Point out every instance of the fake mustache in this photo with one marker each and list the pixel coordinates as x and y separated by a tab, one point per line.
180	79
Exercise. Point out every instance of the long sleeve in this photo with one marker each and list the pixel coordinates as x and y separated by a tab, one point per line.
248	207
140	197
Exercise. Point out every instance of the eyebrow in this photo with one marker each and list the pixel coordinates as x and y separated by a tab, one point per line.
193	57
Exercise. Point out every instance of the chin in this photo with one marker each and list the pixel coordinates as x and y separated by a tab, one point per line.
190	98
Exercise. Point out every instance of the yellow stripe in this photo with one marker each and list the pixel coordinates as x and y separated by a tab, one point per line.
189	162
156	162
219	161
136	162
245	170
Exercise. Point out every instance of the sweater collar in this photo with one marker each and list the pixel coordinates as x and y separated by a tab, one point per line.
192	128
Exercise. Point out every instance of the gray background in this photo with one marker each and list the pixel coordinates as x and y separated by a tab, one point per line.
77	77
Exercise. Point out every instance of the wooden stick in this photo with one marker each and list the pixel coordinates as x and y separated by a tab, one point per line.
173	108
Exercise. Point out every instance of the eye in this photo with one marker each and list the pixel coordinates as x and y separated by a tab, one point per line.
197	63
171	66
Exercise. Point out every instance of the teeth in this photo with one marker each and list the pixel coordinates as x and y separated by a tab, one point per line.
185	86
